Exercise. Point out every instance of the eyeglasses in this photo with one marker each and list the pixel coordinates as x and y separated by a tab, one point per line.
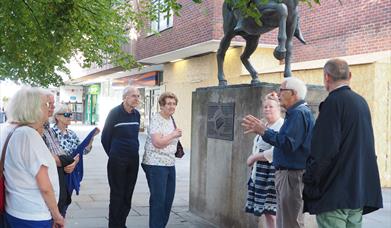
65	114
282	89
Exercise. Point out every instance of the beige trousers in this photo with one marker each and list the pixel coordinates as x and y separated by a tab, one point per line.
289	188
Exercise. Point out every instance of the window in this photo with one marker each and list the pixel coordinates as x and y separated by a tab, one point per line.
164	20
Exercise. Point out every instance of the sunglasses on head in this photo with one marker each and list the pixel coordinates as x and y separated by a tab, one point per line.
65	114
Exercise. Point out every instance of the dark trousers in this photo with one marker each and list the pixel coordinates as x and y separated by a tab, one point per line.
122	175
161	183
65	197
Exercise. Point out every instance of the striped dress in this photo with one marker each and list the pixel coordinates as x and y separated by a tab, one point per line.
261	195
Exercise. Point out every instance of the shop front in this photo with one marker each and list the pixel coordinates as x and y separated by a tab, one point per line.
91	115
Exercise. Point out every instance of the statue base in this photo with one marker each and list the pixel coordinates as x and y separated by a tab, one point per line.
219	150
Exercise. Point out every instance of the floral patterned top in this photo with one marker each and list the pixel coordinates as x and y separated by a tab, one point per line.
68	141
153	155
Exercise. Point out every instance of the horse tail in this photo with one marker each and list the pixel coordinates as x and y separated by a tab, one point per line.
298	33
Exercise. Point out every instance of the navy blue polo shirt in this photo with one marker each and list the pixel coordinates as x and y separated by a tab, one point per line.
120	133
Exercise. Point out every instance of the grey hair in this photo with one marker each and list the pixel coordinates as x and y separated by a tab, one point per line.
25	106
296	85
127	90
59	109
337	69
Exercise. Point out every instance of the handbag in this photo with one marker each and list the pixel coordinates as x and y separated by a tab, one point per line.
2	184
179	148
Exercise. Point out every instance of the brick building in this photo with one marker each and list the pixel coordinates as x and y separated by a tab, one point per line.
183	57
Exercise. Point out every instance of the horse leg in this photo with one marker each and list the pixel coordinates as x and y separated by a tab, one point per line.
224	45
290	31
280	50
251	46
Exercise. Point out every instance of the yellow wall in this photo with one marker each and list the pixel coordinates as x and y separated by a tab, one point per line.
371	80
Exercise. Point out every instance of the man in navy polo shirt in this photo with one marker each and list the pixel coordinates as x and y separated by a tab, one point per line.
291	149
120	142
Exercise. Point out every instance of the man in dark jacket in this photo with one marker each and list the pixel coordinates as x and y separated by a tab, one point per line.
342	178
120	141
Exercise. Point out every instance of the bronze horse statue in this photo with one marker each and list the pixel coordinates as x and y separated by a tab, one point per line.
279	14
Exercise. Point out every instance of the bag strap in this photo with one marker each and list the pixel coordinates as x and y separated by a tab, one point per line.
173	121
5	150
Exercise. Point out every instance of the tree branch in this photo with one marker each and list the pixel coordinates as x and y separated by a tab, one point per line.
32	13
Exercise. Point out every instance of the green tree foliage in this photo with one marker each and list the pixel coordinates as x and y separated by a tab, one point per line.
39	37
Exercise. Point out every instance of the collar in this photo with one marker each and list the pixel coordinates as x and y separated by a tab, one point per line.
339	88
123	109
297	104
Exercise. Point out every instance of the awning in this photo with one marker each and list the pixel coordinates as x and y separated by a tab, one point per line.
146	79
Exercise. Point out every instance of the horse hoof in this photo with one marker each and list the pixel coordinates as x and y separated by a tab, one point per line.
280	55
223	83
255	82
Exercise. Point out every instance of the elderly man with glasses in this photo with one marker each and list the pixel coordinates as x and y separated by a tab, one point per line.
291	149
65	163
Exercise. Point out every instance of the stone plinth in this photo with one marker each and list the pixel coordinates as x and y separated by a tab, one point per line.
218	170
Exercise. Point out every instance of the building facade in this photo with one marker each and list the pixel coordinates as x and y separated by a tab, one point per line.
358	31
183	57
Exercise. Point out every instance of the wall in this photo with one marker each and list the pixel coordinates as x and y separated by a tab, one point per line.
370	79
185	76
198	23
355	27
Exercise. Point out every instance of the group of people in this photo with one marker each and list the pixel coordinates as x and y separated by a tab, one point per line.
37	159
325	167
120	142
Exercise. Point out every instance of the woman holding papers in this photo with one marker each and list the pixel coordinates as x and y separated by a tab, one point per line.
69	142
261	196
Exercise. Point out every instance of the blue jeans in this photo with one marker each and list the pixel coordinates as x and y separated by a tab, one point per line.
161	183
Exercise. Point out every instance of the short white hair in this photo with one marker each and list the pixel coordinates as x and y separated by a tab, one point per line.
25	106
127	90
61	108
296	85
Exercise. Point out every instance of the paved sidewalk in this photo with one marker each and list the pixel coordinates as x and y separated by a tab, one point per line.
90	208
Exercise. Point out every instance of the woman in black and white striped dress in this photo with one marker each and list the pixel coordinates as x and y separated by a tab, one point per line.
261	196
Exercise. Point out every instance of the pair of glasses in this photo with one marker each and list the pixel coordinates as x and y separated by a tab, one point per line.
65	114
282	90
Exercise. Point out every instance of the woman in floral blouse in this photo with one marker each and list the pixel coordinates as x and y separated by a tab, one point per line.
159	160
67	138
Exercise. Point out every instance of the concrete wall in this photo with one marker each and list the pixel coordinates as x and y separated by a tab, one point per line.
218	170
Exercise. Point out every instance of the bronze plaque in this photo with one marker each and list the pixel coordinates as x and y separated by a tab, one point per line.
221	121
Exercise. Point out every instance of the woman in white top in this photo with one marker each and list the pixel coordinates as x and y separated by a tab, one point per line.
261	196
31	179
159	160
